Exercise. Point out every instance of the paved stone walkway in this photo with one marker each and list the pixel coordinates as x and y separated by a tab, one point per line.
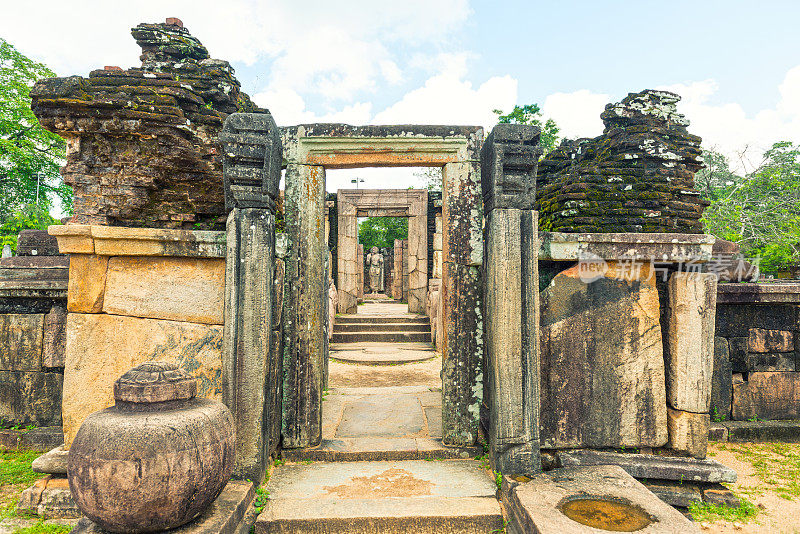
381	421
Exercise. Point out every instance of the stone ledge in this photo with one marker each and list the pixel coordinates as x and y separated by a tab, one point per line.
755	431
659	247
118	241
651	467
754	293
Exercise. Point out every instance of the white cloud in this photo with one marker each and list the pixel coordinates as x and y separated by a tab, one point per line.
726	126
577	114
335	49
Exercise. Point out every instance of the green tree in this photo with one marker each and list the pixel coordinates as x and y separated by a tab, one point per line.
29	216
532	114
759	210
382	231
30	156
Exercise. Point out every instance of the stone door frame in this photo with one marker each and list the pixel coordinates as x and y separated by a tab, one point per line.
307	151
408	203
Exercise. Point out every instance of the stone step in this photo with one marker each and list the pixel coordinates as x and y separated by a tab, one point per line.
408	497
389	337
382	327
347	319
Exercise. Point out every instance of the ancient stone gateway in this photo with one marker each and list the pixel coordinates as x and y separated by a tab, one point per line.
354	203
310	149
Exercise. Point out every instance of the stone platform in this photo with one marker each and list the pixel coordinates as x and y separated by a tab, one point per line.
226	515
408	497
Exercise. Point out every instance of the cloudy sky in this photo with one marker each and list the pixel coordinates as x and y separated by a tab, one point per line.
736	63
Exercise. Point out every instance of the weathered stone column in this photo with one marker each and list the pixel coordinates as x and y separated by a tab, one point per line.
347	250
306	294
511	293
689	358
418	254
462	317
252	170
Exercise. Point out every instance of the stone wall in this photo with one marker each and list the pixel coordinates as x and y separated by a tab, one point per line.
33	298
757	355
142	143
638	176
623	365
136	295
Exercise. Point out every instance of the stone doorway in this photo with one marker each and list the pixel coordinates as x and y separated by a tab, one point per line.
309	150
355	203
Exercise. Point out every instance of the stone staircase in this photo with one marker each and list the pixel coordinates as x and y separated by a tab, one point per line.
391	329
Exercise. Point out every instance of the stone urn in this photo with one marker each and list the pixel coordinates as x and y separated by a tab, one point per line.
157	458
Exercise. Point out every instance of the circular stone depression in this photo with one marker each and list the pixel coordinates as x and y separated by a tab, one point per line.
607	514
392	355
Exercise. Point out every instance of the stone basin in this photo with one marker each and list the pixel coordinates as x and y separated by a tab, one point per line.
581	500
613	515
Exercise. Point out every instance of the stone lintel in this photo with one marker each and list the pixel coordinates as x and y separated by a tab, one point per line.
121	241
755	293
342	146
658	247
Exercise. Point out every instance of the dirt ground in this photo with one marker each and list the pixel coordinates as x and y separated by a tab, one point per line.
769	477
351	375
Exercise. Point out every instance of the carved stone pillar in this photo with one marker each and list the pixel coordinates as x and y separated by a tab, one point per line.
511	292
252	170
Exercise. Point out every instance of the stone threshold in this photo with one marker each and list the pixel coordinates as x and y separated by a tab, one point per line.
650	466
368	449
120	241
659	247
755	431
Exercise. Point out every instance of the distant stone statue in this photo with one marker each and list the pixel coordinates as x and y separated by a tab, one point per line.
375	262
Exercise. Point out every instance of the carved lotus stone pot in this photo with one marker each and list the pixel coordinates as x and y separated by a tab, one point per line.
157	458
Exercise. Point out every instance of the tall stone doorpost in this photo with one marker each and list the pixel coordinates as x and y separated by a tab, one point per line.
511	292
252	170
305	313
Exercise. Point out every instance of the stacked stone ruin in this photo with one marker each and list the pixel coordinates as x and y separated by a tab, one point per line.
142	143
638	176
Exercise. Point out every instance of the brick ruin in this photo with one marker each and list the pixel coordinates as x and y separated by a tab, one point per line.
142	143
638	176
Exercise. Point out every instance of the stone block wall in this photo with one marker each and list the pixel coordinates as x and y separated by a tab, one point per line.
757	353
136	295
142	143
622	364
33	291
638	176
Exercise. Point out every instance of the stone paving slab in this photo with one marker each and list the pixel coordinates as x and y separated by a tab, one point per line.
382	353
755	431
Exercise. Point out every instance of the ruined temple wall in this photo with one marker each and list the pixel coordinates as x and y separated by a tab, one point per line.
33	298
757	353
136	295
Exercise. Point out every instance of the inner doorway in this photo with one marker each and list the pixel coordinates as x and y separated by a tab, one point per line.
384	395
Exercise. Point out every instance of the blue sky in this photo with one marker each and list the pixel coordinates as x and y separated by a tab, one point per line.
736	63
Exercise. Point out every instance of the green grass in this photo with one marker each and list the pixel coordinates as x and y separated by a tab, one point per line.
715	512
262	496
41	528
776	465
15	467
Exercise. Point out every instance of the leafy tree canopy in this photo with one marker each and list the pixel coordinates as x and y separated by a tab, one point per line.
28	153
759	210
382	231
532	114
29	216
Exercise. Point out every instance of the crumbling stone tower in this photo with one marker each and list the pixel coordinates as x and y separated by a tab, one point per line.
142	143
638	176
